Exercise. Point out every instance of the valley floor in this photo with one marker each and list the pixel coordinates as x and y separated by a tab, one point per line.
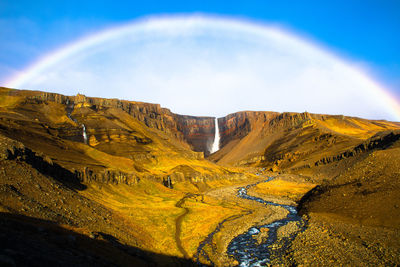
92	181
143	223
148	223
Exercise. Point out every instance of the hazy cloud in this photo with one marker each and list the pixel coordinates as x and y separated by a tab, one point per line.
213	67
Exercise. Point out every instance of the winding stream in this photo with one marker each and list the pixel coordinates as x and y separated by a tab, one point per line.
245	248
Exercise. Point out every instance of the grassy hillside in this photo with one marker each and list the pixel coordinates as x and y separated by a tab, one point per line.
116	141
296	140
118	182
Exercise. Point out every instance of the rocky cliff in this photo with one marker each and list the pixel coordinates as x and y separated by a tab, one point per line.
108	140
271	139
238	125
196	131
199	132
291	140
122	181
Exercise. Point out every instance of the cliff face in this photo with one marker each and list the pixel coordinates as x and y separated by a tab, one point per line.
238	125
270	139
242	136
291	140
233	126
198	132
106	140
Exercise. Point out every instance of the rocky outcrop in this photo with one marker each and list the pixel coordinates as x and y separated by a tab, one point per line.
380	141
249	137
234	126
106	176
238	125
151	114
288	119
14	150
196	131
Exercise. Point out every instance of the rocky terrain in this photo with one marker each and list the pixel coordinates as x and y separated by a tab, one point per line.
92	181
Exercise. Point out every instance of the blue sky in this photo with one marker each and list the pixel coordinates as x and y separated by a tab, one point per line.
366	31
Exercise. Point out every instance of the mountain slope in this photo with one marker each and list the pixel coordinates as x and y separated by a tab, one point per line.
290	140
103	179
123	139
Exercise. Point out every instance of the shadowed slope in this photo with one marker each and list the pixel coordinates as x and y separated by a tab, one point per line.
137	182
37	242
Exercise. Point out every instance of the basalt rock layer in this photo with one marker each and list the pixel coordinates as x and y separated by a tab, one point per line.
127	182
108	140
196	131
292	140
269	139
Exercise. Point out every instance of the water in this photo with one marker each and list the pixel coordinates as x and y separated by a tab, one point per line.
215	146
69	109
245	248
84	133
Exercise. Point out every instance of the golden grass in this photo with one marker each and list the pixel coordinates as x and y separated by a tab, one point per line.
55	113
110	161
282	188
202	219
7	101
186	186
355	127
151	208
166	153
248	178
148	206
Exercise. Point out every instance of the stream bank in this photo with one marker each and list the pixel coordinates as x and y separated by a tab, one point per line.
250	250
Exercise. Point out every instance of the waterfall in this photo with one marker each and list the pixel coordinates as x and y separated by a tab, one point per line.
70	108
215	146
84	134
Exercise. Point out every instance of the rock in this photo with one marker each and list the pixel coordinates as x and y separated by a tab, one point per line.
6	261
93	235
11	252
198	131
71	238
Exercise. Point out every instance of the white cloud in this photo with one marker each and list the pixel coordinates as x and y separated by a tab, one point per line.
204	66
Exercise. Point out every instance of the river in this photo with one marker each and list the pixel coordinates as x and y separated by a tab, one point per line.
245	247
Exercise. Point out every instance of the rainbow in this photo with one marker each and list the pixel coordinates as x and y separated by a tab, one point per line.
186	21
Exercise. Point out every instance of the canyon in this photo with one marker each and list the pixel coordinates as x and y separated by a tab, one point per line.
86	180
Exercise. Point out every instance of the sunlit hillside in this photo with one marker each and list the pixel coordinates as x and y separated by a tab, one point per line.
96	181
